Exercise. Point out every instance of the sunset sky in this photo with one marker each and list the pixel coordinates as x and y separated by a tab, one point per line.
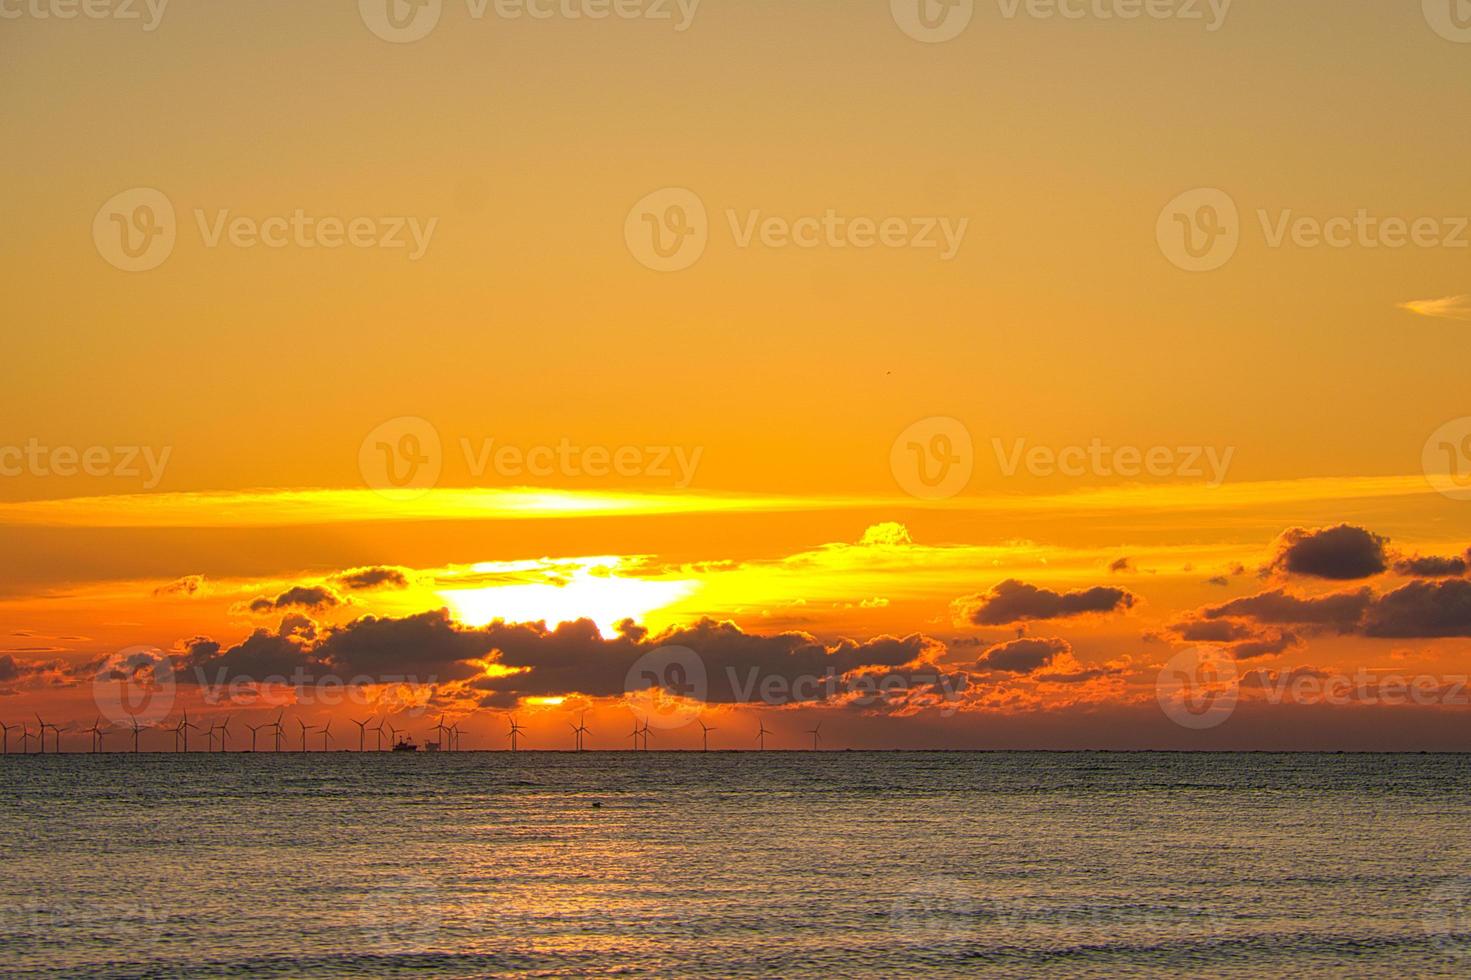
727	457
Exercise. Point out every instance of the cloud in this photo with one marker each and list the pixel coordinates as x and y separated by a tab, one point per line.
1025	655
1341	610
1419	610
373	577
1445	308
1342	553
575	658
261	656
1422	610
311	597
1416	566
1015	602
1121	565
189	585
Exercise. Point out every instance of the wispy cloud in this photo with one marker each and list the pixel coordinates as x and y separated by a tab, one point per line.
1446	308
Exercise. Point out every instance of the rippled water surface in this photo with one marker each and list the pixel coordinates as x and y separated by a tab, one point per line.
731	865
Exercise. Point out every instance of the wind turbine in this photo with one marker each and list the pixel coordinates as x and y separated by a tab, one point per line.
646	734
637	731
279	735
137	730
440	730
580	729
55	731
761	735
362	731
5	748
705	731
25	737
96	731
183	730
304	730
393	731
253	730
816	734
209	736
377	737
514	734
327	735
224	732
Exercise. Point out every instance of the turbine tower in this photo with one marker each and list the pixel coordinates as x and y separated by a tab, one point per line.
96	731
514	735
579	730
816	734
362	731
705	731
761	735
5	739
137	730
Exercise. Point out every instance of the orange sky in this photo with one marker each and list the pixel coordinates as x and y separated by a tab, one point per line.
206	449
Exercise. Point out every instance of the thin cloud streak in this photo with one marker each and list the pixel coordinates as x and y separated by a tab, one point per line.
1445	308
305	508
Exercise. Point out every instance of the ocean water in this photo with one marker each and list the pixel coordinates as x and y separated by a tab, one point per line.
735	865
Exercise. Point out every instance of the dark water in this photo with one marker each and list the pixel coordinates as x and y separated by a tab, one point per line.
732	865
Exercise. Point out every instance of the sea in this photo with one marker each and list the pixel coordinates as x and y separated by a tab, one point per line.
776	864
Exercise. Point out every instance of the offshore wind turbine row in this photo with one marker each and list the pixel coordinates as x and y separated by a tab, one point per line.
447	738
